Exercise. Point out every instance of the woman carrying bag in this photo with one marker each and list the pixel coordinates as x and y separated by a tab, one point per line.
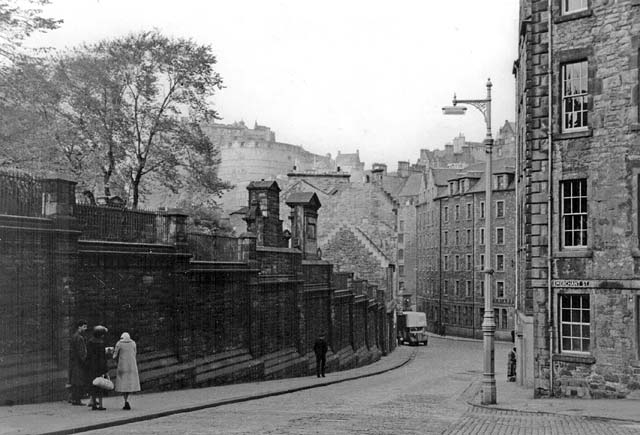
97	365
127	379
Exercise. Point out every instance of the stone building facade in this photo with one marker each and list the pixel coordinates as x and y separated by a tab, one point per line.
451	227
578	130
460	153
248	154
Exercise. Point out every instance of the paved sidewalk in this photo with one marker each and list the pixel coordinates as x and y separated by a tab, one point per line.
512	397
62	418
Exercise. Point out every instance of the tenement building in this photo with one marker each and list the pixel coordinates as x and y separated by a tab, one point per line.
451	219
578	130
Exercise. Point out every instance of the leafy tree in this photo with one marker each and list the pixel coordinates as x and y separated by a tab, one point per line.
127	112
149	98
18	20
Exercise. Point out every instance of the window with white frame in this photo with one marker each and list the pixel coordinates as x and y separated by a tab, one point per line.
468	237
445	287
574	213
500	263
481	236
575	96
457	237
499	209
500	236
481	288
481	262
446	262
445	241
504	319
500	289
481	209
571	6
457	212
446	214
469	210
469	264
456	263
467	291
457	288
575	323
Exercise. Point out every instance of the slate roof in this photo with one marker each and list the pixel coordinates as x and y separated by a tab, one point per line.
392	185
263	184
412	185
241	210
303	198
441	176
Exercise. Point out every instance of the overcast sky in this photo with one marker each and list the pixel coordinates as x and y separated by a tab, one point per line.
333	75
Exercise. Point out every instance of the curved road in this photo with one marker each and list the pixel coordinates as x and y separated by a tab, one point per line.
425	396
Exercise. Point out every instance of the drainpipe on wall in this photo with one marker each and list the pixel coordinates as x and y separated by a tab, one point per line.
473	264
440	324
550	316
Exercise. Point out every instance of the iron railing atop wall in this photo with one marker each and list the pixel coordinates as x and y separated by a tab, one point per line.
213	247
120	224
20	194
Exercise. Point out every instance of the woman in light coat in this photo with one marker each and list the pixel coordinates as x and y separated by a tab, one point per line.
127	379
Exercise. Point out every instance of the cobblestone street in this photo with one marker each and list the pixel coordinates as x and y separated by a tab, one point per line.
428	396
492	421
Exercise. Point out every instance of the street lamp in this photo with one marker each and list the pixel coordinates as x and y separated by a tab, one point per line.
488	322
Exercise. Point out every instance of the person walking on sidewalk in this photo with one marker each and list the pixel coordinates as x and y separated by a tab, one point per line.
320	348
77	360
127	379
96	365
511	366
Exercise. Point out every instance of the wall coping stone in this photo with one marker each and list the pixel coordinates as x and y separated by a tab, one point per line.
316	263
156	254
116	243
276	249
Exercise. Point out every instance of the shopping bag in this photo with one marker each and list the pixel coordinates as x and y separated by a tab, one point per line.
103	383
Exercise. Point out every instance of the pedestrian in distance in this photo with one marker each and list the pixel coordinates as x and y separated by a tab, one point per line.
511	366
127	379
77	363
320	348
96	365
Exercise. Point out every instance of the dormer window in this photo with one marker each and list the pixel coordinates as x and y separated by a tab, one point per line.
501	182
453	187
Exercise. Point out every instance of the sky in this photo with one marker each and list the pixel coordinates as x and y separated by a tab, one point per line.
333	75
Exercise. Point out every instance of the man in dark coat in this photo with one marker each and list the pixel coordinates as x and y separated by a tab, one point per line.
320	349
77	360
511	366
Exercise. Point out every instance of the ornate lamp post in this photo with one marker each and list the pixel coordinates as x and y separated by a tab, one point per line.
488	323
